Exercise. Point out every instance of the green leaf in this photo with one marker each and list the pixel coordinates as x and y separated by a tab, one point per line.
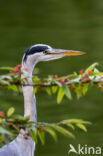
33	135
90	68
81	126
56	82
85	88
5	131
5	138
6	68
15	127
76	121
13	87
51	132
41	136
72	76
78	91
26	118
54	89
35	90
63	131
48	90
10	111
96	70
4	82
0	121
97	74
1	139
67	91
60	95
35	79
70	125
20	119
7	77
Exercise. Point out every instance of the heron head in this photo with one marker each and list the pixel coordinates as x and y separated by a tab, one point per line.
42	52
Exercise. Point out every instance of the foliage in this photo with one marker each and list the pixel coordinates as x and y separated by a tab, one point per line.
79	83
10	125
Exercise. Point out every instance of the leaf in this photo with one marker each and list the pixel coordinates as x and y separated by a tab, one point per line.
54	89
1	139
0	121
63	131
10	111
51	132
33	135
20	119
4	131
13	87
56	82
72	76
60	95
48	90
5	138
70	125
15	127
41	136
35	79
26	118
97	73
5	77
35	90
85	88
67	91
90	68
81	126
4	82
96	70
76	121
78	91
6	68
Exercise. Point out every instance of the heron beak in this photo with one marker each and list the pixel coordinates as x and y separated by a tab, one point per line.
61	52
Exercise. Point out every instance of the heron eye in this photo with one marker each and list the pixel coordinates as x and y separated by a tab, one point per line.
45	51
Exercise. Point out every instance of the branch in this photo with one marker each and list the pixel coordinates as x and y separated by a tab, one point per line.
10	125
78	82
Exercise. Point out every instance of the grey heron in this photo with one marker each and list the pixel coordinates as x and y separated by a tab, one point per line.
34	54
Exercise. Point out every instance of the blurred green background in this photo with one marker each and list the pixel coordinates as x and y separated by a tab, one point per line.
67	24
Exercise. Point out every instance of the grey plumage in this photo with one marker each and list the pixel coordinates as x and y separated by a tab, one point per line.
21	146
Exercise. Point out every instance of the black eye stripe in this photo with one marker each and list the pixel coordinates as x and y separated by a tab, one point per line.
34	49
37	49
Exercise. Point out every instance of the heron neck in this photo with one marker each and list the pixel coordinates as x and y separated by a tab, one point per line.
29	98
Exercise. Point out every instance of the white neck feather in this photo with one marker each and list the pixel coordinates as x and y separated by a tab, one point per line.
21	146
29	98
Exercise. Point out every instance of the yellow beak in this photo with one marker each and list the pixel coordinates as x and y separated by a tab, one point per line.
65	52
